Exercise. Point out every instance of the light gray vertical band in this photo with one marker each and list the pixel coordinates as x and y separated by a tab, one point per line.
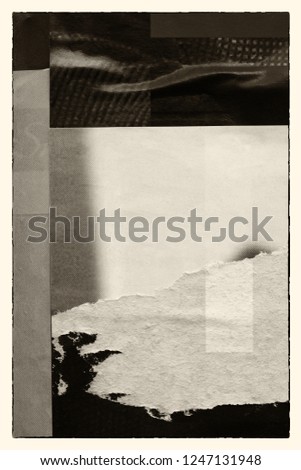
32	331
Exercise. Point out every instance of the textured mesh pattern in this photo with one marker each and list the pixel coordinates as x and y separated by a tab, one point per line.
78	101
75	100
265	51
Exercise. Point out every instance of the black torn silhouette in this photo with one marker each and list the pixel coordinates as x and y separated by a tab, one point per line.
74	369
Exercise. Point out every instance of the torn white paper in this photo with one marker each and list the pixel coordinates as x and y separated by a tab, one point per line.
181	351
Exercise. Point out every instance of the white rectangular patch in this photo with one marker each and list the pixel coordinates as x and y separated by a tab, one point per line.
229	308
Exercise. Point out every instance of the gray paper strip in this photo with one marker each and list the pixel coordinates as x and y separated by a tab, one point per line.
32	332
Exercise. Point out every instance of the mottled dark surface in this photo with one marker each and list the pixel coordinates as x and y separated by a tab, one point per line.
30	41
86	415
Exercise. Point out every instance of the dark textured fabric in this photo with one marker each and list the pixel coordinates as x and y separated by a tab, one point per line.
107	71
75	101
255	52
